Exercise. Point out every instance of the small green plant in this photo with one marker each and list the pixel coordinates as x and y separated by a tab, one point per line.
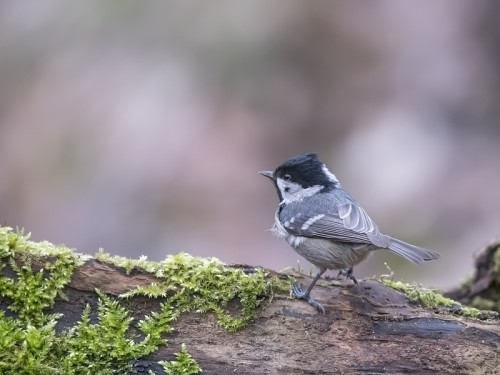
26	348
183	364
106	346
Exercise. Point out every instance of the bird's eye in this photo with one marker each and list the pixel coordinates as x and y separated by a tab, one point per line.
287	177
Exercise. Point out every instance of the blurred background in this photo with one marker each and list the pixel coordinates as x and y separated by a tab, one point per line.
139	127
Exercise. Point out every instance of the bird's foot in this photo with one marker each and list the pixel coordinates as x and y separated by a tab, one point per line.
347	273
298	293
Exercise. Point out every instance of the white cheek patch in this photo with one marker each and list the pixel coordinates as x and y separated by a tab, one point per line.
329	174
292	192
285	185
311	221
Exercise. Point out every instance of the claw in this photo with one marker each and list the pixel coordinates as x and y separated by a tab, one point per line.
298	293
347	273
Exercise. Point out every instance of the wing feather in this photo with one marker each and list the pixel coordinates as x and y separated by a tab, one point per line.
355	218
349	224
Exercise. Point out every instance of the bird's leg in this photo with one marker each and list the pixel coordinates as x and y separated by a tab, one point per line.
299	293
347	273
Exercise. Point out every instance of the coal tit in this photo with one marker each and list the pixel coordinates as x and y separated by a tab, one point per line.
324	223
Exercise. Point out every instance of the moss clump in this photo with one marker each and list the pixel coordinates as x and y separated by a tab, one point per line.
183	364
207	285
34	287
433	300
33	274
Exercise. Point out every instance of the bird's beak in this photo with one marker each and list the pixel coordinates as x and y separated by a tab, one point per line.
269	174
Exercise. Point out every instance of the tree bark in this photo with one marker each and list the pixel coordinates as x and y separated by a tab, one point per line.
367	329
483	289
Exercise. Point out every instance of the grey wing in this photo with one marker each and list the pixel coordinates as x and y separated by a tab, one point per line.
349	224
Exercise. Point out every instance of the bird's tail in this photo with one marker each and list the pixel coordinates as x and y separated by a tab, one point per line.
412	253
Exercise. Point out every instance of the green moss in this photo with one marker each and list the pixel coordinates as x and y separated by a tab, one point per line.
33	290
184	364
207	285
33	274
433	300
423	296
127	263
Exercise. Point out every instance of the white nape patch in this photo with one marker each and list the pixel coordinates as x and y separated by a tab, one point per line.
329	174
292	192
311	221
292	220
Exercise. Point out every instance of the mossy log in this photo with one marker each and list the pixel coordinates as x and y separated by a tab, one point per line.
66	313
367	329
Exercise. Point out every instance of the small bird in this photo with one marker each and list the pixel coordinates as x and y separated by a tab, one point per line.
324	223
